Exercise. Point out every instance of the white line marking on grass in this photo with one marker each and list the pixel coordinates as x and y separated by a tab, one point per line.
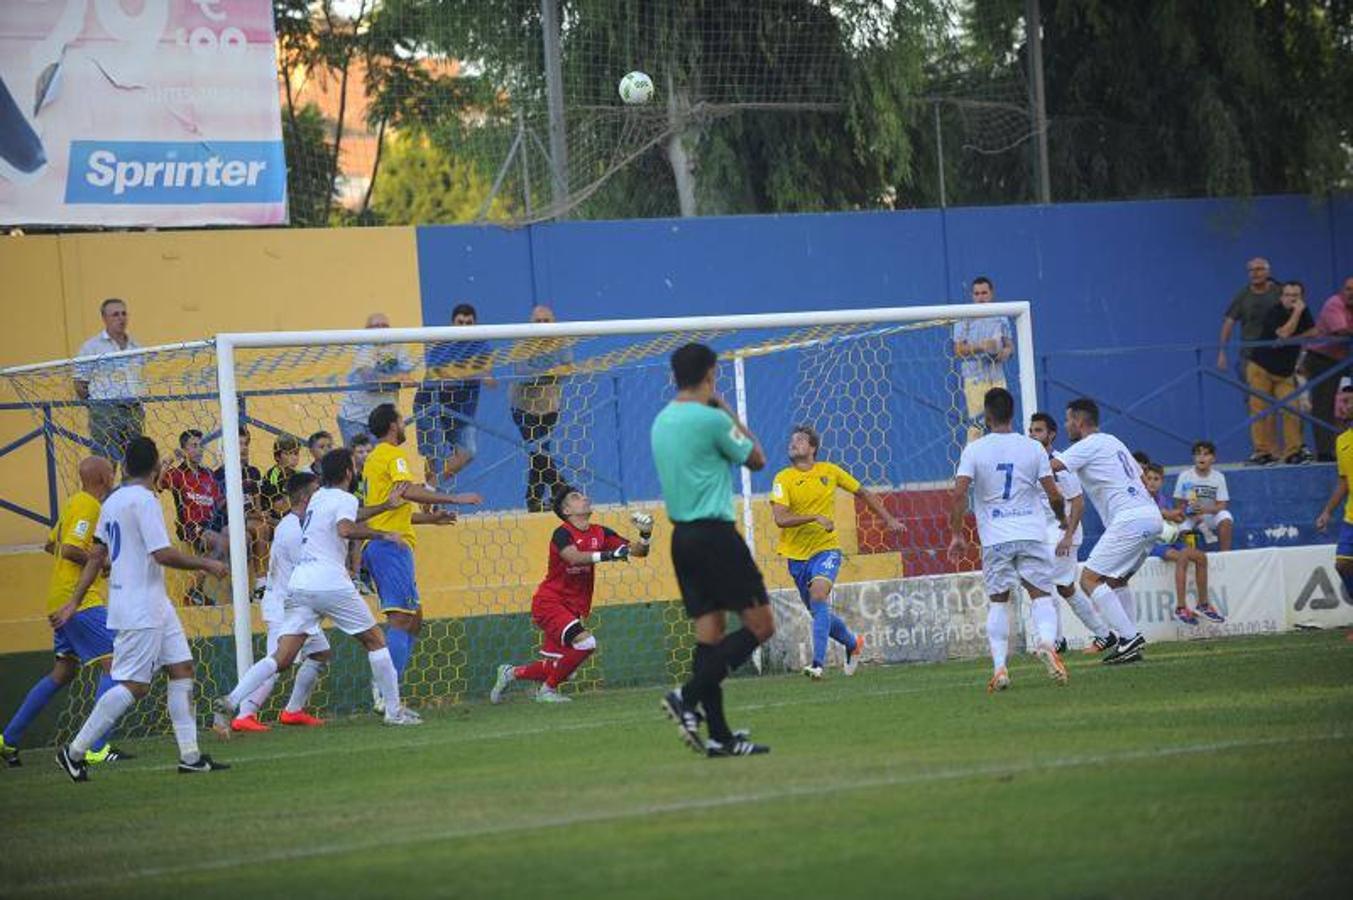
545	823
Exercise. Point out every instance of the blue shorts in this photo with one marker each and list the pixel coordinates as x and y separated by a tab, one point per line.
391	567
85	637
1160	550
820	565
1345	547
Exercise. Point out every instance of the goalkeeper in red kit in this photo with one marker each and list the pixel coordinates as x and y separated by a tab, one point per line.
564	598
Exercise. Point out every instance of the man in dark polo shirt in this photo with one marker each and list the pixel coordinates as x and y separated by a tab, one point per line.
1273	371
1250	307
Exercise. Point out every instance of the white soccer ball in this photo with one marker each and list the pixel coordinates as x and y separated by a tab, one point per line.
1169	533
636	88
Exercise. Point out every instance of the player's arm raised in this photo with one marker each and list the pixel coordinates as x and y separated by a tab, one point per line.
756	460
419	493
349	530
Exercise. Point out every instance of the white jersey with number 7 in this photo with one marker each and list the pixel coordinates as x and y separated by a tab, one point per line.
1005	470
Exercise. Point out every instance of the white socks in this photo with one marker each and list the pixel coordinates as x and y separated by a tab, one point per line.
1044	615
998	632
109	708
386	678
1085	611
258	673
1112	608
1129	604
306	679
180	703
254	702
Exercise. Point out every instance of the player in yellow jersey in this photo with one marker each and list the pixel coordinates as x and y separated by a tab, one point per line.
802	500
1343	453
85	638
387	474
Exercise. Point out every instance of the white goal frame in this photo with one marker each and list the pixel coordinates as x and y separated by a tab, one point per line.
228	344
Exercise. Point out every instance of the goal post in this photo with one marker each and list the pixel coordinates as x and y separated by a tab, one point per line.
881	385
227	346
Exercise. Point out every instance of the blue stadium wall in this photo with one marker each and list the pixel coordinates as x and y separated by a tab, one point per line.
1153	274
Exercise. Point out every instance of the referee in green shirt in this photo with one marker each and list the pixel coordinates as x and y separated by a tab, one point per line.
696	441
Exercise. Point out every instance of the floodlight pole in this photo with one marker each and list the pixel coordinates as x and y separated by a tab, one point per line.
1033	31
554	90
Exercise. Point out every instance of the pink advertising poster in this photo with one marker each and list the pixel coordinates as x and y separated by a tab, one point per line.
140	113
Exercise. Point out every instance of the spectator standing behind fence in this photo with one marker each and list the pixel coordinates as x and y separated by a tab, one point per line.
257	526
982	347
1335	319
112	386
445	405
1250	307
535	397
286	454
378	372
1273	370
196	499
319	443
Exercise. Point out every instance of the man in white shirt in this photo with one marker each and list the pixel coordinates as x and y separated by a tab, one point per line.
111	386
1010	477
1201	495
982	347
320	587
378	373
1066	542
1132	521
131	538
282	559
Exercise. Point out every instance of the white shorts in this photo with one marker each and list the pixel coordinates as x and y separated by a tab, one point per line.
1124	546
1064	568
315	640
1004	566
138	653
1208	521
347	609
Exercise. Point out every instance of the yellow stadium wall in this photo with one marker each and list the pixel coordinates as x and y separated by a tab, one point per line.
184	286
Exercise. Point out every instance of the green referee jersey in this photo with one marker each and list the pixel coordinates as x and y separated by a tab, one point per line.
694	449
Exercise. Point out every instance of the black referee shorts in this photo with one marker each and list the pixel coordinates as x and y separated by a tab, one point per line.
715	569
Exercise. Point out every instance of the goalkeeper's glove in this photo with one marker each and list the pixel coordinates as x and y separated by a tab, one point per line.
644	522
619	554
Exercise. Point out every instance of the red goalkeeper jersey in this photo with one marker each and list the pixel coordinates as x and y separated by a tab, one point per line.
572	585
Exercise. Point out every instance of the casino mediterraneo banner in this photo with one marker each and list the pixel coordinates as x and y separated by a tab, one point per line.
140	113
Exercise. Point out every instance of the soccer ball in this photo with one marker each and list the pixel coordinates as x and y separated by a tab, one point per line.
635	88
1169	533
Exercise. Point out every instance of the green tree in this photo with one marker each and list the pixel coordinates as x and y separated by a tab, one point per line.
310	179
421	183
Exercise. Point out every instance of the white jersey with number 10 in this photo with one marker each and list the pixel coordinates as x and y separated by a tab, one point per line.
1110	476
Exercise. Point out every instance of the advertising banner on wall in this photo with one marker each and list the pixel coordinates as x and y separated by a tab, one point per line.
144	113
939	617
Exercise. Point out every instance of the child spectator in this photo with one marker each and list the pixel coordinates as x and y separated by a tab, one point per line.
1200	493
286	454
319	443
256	523
1180	553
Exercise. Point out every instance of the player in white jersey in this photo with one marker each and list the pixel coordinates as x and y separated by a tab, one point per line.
321	587
1010	477
1132	521
1066	542
131	538
283	556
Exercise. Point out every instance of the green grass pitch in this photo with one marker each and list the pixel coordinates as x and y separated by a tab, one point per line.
1216	769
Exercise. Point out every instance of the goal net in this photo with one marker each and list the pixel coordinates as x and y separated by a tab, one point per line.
569	403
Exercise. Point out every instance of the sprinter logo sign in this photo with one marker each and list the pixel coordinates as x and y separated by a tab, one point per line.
163	172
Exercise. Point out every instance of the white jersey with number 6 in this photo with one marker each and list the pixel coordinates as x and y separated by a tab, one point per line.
1005	470
1110	476
131	526
324	555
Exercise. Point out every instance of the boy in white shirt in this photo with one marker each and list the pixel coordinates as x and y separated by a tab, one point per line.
320	587
1009	475
131	538
1201	495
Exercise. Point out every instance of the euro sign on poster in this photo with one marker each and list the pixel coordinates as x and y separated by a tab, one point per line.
140	113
